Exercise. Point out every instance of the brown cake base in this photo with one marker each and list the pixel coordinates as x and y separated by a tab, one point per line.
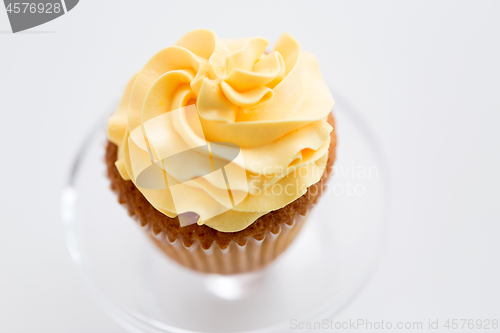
208	250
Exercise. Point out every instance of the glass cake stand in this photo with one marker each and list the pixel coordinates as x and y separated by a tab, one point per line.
333	257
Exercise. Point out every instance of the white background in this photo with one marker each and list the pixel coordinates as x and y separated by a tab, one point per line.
425	74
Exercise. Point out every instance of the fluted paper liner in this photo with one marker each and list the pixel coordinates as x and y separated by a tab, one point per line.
252	256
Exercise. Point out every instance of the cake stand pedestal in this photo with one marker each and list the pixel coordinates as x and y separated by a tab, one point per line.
333	257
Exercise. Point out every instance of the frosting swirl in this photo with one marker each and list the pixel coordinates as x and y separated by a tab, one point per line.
271	106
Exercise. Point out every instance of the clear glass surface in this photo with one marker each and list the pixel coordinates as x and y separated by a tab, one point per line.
328	264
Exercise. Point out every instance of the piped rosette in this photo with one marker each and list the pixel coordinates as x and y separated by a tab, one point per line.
222	130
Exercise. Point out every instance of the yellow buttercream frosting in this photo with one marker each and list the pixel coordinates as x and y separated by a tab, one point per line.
258	116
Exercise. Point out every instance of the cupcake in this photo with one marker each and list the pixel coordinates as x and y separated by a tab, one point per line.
219	149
